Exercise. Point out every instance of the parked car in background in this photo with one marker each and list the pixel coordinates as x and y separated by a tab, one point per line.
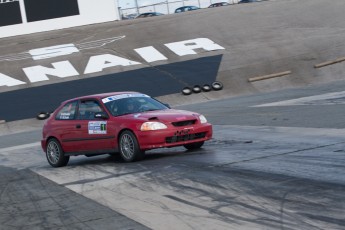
248	1
128	123
219	4
129	16
149	14
186	8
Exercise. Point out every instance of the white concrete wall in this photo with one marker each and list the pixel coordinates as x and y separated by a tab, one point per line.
91	12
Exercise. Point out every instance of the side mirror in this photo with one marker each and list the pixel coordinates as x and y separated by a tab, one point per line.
101	115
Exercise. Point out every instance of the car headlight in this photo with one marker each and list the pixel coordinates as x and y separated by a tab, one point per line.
148	126
202	119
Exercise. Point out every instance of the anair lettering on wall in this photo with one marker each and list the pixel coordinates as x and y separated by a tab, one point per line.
97	63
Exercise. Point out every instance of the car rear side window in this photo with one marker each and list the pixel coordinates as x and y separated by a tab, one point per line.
87	110
67	112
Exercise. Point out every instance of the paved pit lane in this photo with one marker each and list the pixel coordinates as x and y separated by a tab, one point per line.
265	178
248	177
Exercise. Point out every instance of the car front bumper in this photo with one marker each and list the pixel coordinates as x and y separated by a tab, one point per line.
174	137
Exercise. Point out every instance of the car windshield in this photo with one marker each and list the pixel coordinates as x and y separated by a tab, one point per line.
123	104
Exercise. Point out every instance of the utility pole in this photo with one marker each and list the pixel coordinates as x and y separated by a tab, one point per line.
168	6
137	6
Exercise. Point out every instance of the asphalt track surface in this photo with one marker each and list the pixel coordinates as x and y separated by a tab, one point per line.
265	174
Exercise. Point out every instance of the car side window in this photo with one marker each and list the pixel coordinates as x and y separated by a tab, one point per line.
67	112
87	110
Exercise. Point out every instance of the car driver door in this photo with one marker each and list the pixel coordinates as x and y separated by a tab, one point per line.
93	133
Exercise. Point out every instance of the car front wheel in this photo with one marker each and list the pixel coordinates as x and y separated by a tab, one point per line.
55	154
129	147
192	146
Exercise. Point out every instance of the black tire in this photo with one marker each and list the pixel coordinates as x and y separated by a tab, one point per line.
206	88
55	155
217	85
196	89
196	145
129	147
42	115
186	91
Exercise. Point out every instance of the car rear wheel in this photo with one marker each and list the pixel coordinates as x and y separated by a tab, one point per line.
55	154
129	147
192	146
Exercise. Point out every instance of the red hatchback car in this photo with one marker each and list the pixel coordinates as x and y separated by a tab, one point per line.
126	122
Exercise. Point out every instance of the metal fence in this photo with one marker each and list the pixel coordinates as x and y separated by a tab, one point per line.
166	7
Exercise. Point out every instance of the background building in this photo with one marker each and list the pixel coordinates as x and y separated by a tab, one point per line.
18	17
129	8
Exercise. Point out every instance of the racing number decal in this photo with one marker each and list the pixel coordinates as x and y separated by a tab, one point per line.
97	127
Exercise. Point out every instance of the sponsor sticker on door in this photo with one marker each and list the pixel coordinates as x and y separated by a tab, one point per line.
97	127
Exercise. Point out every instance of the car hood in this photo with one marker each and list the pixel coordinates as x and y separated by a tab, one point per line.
168	115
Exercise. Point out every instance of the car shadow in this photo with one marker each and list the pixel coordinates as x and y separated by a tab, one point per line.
150	156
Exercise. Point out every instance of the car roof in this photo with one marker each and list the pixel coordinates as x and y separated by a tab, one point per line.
100	95
147	13
186	7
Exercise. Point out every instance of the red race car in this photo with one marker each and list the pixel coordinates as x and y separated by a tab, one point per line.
126	122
